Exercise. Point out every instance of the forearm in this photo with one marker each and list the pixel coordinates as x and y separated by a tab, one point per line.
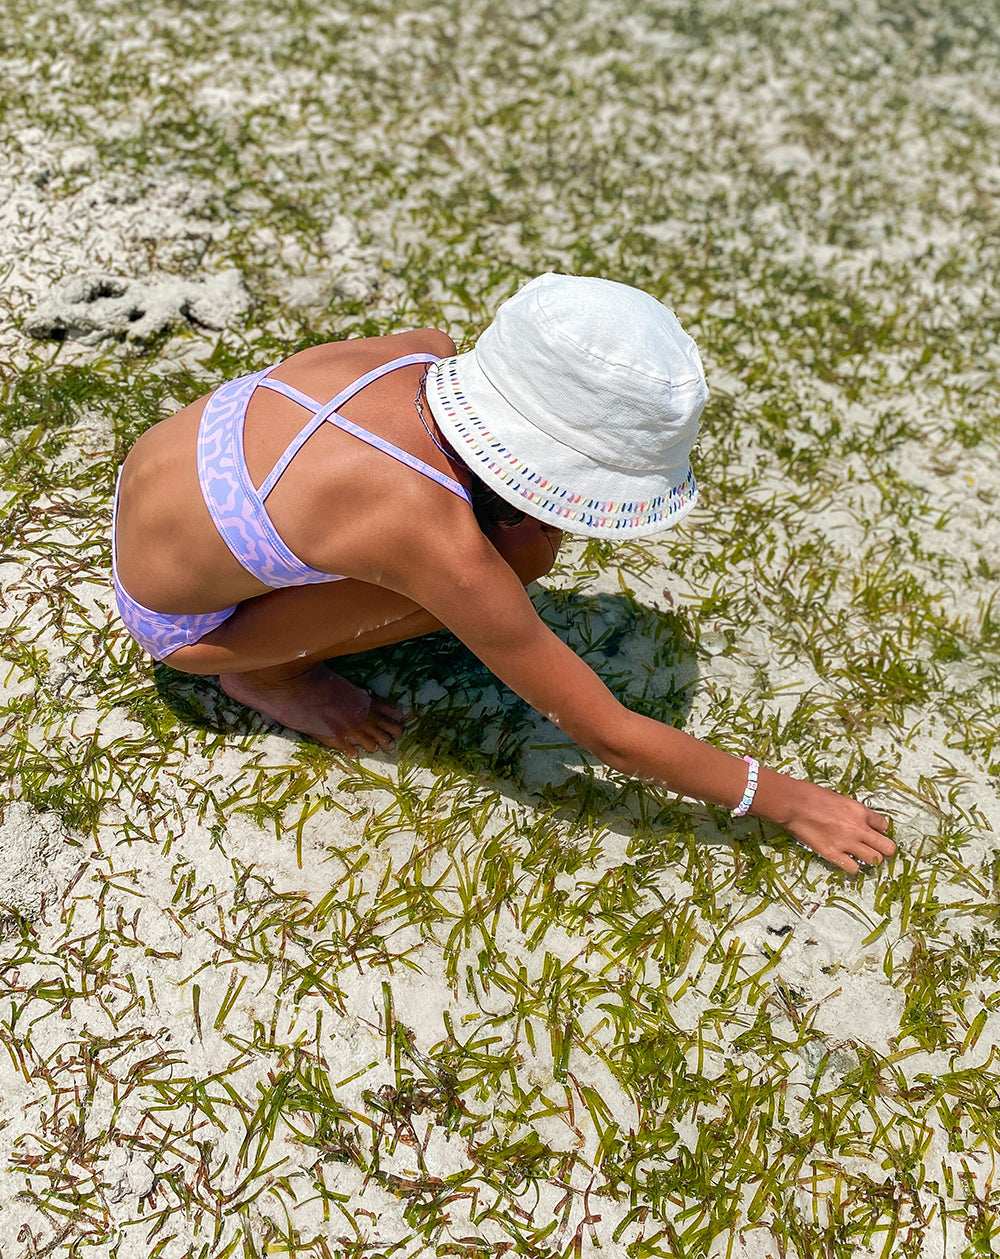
842	830
648	749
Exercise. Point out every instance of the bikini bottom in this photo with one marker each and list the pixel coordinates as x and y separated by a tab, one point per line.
161	633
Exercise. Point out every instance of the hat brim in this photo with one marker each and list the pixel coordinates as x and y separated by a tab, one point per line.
517	460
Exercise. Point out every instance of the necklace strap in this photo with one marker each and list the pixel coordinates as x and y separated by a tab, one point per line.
448	454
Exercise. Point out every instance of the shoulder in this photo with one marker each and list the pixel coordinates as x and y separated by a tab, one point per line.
323	369
394	345
359	355
422	341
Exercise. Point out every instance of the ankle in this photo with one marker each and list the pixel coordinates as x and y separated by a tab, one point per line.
275	675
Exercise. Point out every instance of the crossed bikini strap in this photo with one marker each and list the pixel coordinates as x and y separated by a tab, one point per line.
329	413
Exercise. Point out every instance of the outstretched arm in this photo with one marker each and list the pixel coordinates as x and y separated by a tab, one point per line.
483	603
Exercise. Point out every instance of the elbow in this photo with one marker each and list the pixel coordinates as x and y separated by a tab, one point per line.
615	756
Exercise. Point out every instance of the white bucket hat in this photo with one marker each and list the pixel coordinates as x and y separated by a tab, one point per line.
579	405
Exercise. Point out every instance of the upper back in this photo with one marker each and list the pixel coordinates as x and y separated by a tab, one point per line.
330	507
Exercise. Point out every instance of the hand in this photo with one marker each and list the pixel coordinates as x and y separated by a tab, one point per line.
840	830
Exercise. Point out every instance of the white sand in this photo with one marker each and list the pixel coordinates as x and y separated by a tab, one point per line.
431	159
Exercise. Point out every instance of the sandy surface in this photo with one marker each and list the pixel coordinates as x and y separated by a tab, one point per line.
480	997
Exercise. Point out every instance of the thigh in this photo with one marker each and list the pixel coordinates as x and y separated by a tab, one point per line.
305	623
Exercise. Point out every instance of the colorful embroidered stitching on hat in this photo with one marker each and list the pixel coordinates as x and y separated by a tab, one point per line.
578	384
630	515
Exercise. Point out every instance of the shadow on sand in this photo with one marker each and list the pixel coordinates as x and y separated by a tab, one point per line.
464	720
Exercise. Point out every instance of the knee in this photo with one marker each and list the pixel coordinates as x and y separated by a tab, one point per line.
530	548
544	550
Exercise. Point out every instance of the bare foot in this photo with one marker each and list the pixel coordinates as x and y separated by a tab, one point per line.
319	703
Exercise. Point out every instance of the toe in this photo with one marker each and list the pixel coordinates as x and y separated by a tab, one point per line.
388	712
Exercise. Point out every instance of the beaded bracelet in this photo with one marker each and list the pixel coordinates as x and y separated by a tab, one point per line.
753	768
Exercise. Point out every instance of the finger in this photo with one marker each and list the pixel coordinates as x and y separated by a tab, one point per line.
881	843
867	855
876	835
